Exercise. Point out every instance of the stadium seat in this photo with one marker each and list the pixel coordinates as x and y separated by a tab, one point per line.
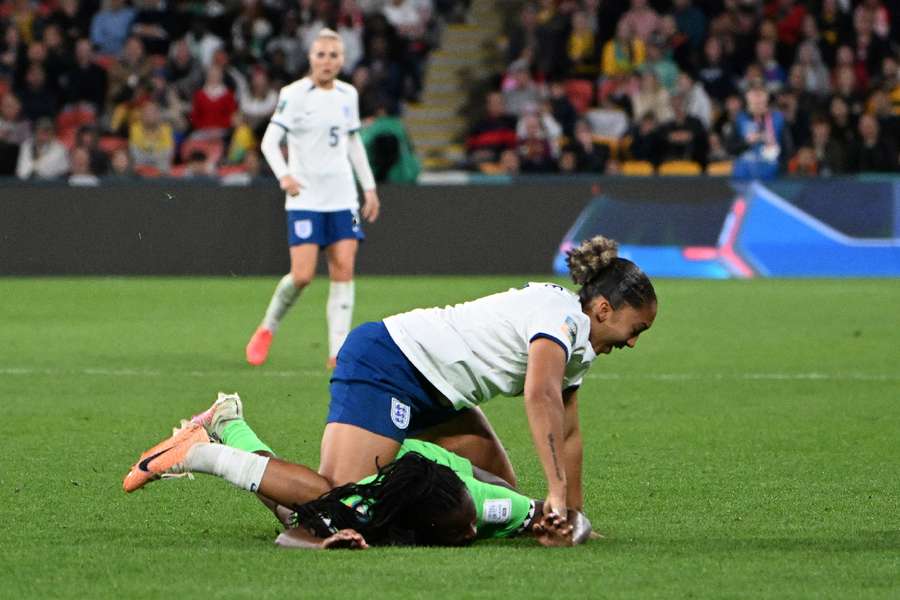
147	171
637	167
680	167
231	170
73	118
580	93
720	168
214	149
111	143
67	137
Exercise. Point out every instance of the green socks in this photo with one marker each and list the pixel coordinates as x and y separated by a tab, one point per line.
238	434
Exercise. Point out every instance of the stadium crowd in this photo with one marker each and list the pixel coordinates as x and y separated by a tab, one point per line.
149	88
749	87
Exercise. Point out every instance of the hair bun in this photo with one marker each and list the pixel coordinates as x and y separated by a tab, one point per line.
591	257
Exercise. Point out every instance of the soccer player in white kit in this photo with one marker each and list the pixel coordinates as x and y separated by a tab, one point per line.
424	373
320	117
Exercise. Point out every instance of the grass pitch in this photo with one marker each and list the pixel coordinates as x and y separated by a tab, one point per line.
748	447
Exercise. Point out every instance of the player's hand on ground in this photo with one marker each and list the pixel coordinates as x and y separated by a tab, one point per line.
345	538
371	206
553	531
289	185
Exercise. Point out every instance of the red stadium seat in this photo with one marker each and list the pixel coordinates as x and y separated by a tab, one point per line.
73	118
214	149
111	143
580	93
147	171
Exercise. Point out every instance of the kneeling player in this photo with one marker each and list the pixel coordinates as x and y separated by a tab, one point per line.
426	496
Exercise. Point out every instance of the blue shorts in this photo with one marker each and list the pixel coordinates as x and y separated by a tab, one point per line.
323	228
376	388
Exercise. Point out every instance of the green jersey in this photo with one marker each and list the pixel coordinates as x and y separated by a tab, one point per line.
502	512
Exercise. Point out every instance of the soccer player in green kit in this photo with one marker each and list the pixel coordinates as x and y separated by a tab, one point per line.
431	496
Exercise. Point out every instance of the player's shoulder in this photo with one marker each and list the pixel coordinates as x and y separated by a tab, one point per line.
551	292
297	88
344	87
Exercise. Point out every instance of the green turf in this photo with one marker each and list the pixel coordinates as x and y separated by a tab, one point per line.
748	447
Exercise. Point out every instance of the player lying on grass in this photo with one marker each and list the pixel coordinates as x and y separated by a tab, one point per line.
426	496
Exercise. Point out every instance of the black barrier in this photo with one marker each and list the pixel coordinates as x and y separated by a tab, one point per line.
182	228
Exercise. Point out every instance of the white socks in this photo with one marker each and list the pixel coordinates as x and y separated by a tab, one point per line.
243	469
339	312
284	297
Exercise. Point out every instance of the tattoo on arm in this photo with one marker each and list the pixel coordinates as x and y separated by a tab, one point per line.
553	454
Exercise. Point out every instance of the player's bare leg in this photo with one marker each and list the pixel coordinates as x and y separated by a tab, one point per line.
470	435
339	310
349	453
303	269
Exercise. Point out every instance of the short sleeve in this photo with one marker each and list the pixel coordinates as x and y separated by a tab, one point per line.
501	512
556	326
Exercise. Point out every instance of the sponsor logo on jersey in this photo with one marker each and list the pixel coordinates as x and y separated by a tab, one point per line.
303	228
497	511
399	414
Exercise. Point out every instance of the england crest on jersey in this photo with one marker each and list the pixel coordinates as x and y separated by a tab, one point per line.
399	414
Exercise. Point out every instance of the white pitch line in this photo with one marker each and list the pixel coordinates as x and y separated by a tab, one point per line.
812	376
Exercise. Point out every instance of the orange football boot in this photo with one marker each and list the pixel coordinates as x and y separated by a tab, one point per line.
164	457
258	346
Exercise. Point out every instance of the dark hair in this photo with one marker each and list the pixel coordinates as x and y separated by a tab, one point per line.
398	508
595	266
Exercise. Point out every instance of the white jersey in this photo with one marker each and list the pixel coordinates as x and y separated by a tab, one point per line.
318	123
474	351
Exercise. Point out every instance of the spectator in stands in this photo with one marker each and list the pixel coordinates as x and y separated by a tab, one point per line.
691	21
58	54
622	55
589	157
535	144
561	108
804	163
683	137
696	100
38	97
213	106
814	71
772	72
715	74
796	85
120	166
842	123
660	63
835	26
890	81
197	165
410	19
202	42
129	72
648	96
872	151
580	48
831	156
524	35
250	32
644	140
12	51
110	27
795	120
80	173
493	133
151	141
14	130
726	125
845	87
42	156
519	89
289	43
350	28
869	48
74	21
85	82
764	136
257	101
88	139
641	19
183	71
509	163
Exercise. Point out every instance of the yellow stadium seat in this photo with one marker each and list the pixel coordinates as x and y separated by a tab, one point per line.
720	168
637	167
680	167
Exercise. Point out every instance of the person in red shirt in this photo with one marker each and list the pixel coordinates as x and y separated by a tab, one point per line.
214	105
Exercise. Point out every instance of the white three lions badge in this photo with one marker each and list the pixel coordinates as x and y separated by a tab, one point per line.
399	414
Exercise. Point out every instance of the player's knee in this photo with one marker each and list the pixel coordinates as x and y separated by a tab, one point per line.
301	279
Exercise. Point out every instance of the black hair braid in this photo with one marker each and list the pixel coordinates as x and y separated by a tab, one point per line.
398	507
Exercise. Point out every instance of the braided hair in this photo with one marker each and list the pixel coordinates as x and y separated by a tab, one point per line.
595	265
397	508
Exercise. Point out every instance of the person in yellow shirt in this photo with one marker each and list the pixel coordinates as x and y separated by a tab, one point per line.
150	140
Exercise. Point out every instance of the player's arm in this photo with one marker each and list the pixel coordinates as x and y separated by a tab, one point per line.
271	149
546	416
574	452
356	152
298	537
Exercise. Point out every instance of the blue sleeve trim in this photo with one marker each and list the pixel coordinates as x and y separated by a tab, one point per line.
282	125
547	336
352	131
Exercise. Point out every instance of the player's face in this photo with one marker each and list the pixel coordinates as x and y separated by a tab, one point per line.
618	328
459	527
326	57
